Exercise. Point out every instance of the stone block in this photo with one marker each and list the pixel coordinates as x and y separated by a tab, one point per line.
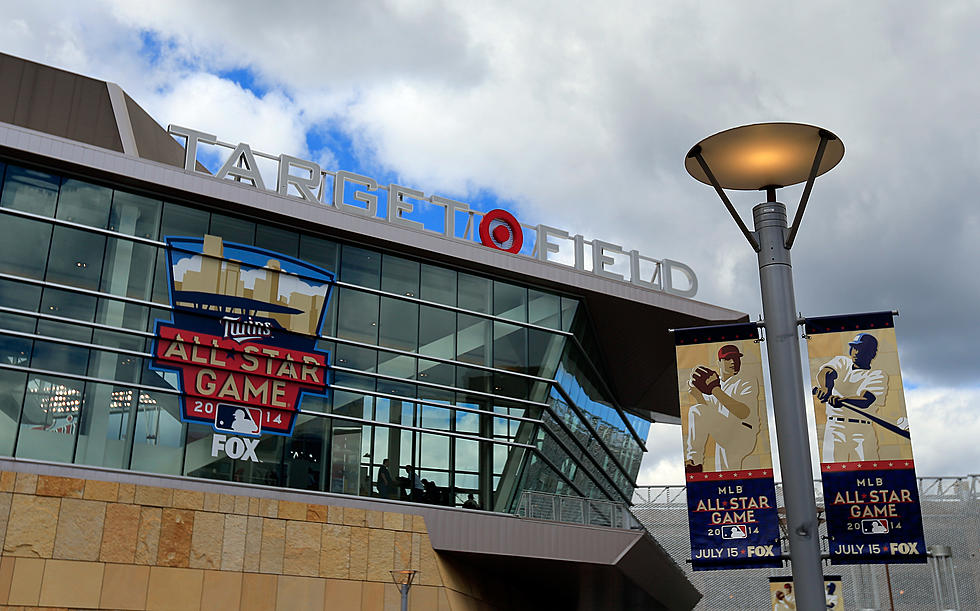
428	565
253	505
153	496
71	583
381	552
301	555
335	514
233	542
342	594
7	479
32	526
334	551
243	504
354	516
358	552
121	531
269	508
259	592
188	499
416	551
25	483
373	595
403	549
25	582
124	586
101	491
79	534
301	593
290	510
50	485
148	538
6	499
176	532
174	589
226	503
6	575
393	521
423	598
273	545
212	502
374	519
316	513
127	493
253	544
206	540
418	524
222	590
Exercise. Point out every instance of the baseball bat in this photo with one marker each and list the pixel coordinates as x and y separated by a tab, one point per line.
887	425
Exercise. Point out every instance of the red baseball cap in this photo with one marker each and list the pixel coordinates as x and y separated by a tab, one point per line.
729	351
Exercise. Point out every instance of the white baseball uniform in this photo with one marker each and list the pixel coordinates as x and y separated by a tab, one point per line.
734	438
849	437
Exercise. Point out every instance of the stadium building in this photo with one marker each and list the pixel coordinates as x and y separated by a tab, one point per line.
221	390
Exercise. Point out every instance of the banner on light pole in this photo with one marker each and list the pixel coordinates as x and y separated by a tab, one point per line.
870	491
731	496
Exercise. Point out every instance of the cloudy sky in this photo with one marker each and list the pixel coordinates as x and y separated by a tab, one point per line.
578	115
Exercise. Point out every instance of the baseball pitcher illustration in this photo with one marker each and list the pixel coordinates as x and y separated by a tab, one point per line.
726	407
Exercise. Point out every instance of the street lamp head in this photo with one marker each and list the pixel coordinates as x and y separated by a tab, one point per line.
763	155
403	577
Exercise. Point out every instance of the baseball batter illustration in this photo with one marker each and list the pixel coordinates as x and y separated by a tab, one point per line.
853	392
726	407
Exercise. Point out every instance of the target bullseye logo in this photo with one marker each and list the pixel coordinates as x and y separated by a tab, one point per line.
499	229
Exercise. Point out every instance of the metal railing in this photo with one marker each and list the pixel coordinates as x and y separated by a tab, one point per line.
575	510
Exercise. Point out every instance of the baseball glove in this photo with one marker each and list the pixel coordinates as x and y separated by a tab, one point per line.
705	379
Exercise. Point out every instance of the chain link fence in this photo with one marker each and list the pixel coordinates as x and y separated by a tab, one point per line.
950	580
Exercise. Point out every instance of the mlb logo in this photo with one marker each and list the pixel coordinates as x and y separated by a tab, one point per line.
876	526
238	420
736	531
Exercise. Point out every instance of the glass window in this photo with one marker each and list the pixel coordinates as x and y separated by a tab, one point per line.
438	285
437	373
84	203
437	332
473	339
158	440
345	459
544	309
360	266
399	276
104	435
568	309
509	301
399	324
355	357
231	229
180	221
30	191
114	365
124	269
396	365
319	252
474	293
135	215
277	240
49	420
509	347
544	352
306	453
76	258
25	246
11	399
358	317
21	297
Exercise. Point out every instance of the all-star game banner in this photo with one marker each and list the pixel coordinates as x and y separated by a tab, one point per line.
869	486
781	593
731	498
243	336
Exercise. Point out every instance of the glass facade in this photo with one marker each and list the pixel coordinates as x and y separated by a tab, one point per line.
484	387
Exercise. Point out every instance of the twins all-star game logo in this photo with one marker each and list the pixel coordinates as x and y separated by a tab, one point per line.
243	336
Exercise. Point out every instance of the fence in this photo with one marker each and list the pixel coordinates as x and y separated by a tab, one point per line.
575	510
951	579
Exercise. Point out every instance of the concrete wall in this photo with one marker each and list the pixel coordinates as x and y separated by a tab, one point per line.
83	543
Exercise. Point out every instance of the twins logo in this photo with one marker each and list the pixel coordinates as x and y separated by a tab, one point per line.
243	336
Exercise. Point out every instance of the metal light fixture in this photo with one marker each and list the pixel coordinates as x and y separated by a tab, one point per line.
766	157
403	581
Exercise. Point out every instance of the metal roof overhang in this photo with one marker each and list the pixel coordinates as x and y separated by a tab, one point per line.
631	322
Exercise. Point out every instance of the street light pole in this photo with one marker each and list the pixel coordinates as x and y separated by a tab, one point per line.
786	379
766	157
